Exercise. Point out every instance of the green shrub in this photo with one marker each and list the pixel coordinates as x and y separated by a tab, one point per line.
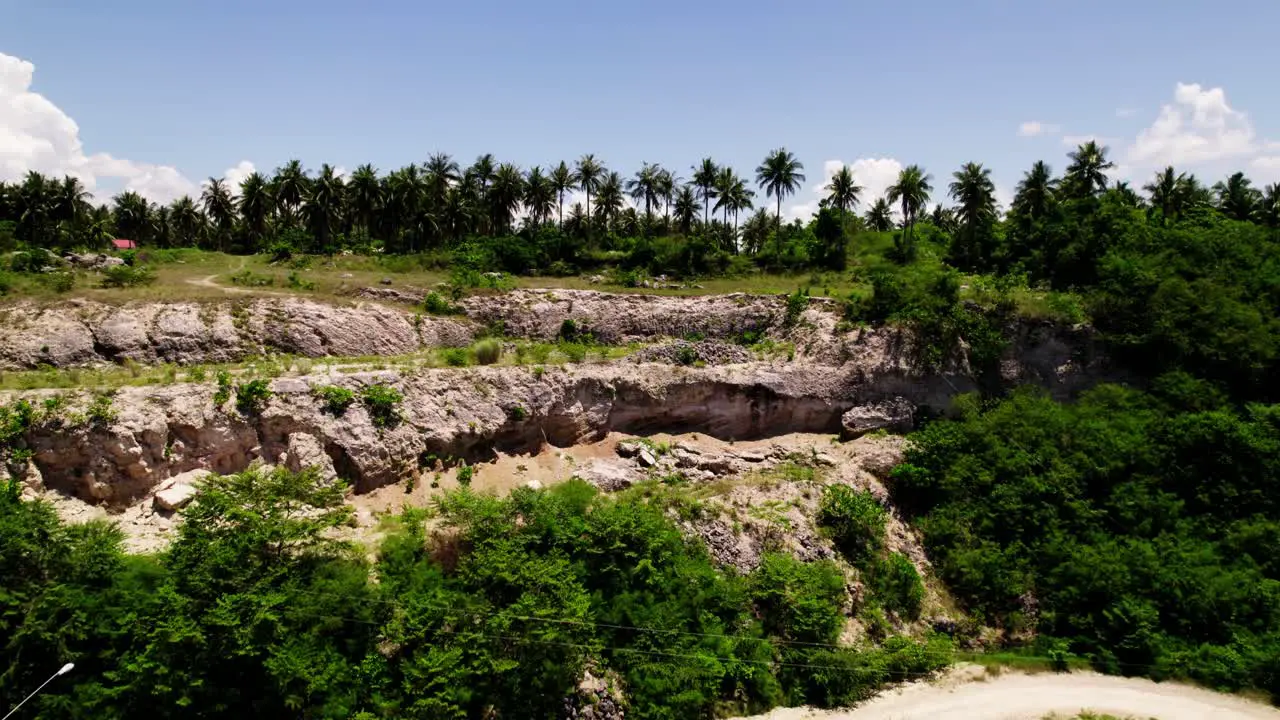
686	355
856	521
297	282
335	399
487	351
100	411
381	401
32	261
456	357
252	396
575	351
797	303
60	282
434	304
801	601
464	475
896	585
223	393
249	278
6	283
568	330
122	276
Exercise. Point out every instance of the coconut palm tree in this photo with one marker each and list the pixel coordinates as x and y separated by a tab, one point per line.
220	208
644	188
755	231
563	180
1036	192
1164	193
255	204
70	200
588	173
912	191
324	206
975	197
457	217
609	200
483	169
290	186
364	197
780	175
505	196
576	224
686	206
1269	213
1125	194
539	195
1237	198
880	216
704	179
441	173
732	196
843	193
185	222
131	215
667	183
1086	175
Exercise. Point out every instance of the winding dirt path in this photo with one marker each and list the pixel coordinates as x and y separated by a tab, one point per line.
964	696
208	282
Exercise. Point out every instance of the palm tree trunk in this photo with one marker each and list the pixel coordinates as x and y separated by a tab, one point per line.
562	212
777	233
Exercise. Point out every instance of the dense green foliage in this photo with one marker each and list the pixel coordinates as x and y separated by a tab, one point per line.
493	610
1142	529
383	404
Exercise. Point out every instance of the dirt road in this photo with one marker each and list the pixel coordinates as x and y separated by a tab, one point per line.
1031	697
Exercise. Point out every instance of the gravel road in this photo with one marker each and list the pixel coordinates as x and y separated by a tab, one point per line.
963	695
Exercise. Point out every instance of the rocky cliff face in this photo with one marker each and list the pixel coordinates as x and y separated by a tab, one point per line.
468	413
79	333
160	431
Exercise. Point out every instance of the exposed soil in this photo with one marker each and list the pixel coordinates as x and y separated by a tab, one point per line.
969	694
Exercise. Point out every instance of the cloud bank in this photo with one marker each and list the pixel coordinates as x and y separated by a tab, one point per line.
36	135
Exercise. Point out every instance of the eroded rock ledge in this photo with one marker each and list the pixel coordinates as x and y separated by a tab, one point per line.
83	333
159	432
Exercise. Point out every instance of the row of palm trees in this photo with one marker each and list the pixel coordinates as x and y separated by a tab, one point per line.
420	206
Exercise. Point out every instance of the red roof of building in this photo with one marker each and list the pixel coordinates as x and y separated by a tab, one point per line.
122	244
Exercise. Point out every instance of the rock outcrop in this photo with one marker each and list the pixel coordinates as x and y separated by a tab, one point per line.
81	333
896	414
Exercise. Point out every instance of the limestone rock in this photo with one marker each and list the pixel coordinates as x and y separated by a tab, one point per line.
608	475
178	491
305	451
896	415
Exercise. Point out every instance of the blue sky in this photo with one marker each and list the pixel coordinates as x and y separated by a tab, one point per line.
176	92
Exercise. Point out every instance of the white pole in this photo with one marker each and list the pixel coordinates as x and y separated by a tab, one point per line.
61	671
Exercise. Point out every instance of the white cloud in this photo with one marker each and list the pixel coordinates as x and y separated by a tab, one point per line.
875	175
37	135
1197	127
1126	112
236	175
1034	128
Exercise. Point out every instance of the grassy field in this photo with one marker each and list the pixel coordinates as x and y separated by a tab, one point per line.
193	275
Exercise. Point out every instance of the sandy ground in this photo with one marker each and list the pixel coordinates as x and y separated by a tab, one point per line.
968	694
